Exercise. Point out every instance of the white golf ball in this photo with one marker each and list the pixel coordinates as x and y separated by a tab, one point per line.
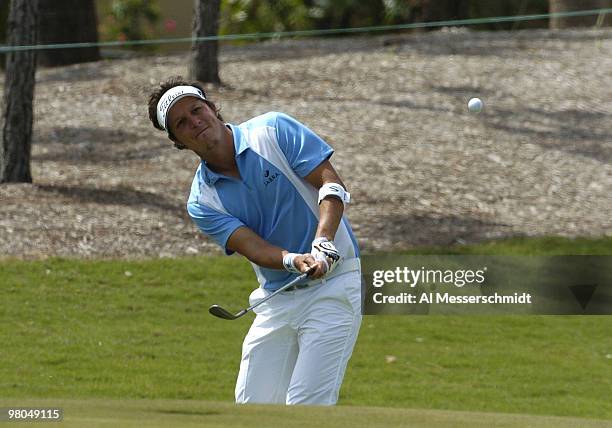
475	105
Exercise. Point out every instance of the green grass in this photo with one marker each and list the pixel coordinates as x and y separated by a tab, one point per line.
172	413
525	246
140	330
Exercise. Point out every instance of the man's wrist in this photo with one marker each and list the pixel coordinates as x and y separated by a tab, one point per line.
289	262
324	250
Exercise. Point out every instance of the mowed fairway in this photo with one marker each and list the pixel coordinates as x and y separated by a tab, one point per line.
116	343
177	413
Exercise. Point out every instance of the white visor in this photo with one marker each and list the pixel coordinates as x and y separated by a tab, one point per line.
170	97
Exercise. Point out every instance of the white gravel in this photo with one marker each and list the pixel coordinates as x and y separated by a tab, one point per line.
420	168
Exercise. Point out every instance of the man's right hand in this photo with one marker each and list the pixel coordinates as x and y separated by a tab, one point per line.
303	262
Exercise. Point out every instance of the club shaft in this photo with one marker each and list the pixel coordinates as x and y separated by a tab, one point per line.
222	313
283	288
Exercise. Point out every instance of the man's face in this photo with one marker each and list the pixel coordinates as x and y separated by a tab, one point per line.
195	125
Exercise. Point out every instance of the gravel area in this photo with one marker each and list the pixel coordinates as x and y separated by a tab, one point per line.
420	168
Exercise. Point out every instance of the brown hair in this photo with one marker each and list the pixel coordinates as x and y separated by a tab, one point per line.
162	89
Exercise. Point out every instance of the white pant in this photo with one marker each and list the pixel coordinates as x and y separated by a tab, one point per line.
300	342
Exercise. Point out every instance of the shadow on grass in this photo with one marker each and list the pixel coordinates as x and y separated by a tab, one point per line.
120	195
425	230
93	145
577	132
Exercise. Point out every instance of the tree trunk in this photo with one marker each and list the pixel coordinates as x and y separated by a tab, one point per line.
557	6
204	62
19	94
4	9
68	21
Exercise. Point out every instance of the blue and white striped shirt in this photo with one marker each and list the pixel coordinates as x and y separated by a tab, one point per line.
274	153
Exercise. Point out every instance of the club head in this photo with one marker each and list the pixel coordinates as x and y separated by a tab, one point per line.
218	311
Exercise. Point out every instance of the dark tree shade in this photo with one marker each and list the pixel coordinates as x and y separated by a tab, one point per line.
68	21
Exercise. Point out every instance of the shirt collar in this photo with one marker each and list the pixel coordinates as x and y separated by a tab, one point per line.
240	145
240	142
208	175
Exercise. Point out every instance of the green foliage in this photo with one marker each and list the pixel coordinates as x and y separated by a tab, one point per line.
131	20
400	11
252	16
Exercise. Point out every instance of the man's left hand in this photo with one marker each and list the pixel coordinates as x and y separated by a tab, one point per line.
324	251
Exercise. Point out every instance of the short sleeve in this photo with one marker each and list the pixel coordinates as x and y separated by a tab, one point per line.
216	225
304	149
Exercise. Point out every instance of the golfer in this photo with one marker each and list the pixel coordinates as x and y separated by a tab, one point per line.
267	190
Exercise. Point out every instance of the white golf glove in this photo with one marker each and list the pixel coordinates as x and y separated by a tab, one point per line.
324	250
289	262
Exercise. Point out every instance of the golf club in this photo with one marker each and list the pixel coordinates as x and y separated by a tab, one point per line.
218	311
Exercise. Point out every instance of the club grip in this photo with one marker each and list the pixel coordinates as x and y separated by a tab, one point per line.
310	271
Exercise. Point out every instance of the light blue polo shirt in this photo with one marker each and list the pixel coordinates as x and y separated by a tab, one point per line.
274	152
